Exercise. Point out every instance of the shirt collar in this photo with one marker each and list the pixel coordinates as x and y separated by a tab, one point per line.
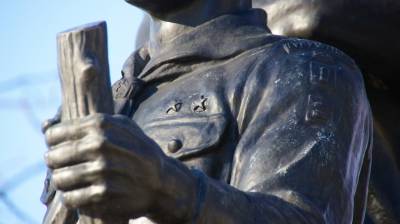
222	37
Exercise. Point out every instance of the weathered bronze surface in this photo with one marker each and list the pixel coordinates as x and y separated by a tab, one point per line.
368	31
219	121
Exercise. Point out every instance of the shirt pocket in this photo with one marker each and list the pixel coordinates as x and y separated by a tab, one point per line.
186	137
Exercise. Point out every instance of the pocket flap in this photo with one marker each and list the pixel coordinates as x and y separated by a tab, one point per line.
189	136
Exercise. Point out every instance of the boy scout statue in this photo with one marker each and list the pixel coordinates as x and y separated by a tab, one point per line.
219	122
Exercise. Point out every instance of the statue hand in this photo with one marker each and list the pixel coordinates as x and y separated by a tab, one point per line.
52	121
105	160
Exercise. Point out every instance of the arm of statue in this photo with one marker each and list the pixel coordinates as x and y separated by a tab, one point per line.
304	144
296	162
303	140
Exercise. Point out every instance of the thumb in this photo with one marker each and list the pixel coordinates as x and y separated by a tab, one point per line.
52	121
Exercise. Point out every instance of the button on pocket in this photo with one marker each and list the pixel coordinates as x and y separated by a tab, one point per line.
174	145
184	137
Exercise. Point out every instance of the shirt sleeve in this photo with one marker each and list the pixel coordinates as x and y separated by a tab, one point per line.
304	130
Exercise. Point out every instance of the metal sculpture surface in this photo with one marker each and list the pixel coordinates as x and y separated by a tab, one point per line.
217	121
368	32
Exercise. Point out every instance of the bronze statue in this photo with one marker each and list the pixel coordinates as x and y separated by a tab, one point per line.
219	121
368	32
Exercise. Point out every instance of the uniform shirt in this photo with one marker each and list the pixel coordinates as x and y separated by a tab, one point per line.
281	127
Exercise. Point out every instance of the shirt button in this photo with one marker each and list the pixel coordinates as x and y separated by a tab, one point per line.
174	145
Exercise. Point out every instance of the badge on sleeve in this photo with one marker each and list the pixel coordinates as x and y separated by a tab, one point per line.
323	74
318	110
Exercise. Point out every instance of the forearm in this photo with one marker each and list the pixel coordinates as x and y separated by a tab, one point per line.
226	204
176	200
190	196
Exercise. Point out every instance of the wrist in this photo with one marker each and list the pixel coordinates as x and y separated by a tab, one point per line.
201	192
176	201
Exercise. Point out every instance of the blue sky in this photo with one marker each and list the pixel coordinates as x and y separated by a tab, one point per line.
29	87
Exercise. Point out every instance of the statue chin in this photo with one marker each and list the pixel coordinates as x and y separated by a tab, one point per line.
292	17
159	6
